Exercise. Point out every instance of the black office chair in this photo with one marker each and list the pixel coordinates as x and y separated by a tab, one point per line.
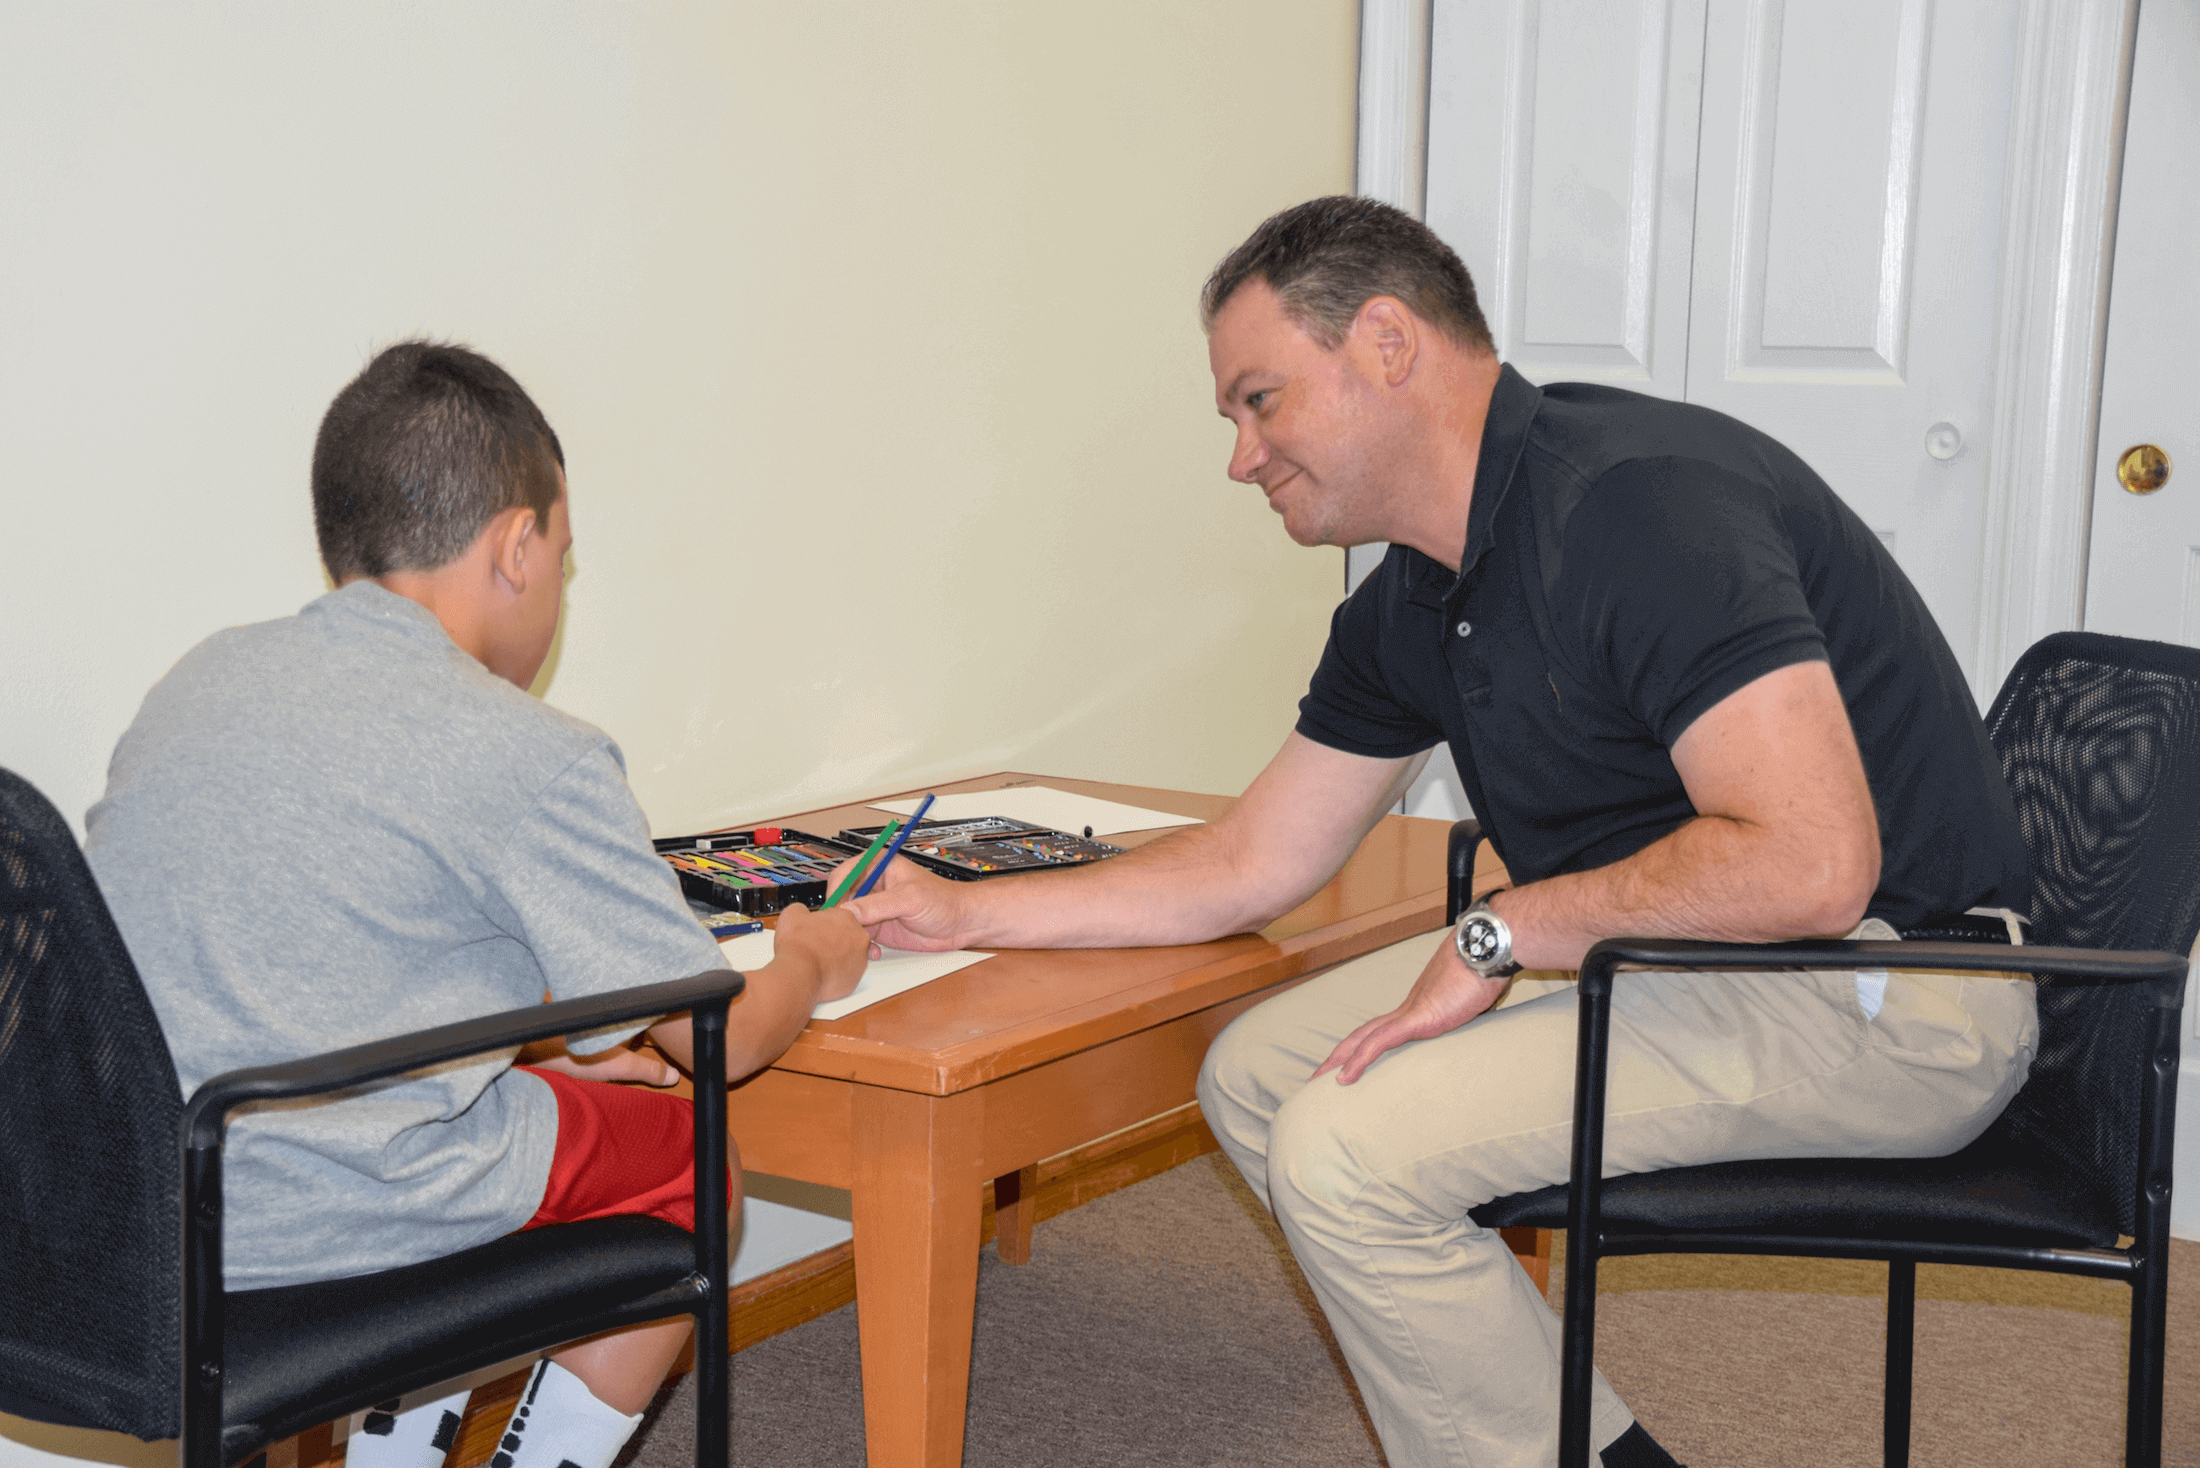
2100	740
112	1311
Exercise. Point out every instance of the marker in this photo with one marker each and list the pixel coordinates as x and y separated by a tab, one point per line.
891	851
856	871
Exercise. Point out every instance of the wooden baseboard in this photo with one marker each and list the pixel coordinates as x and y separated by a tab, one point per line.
769	1304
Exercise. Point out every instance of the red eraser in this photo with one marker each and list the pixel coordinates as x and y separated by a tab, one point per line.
769	835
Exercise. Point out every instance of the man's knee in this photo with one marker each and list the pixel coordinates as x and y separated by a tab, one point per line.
1234	1082
1315	1168
1219	1069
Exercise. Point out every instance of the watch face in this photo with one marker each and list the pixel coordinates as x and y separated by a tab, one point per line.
1481	940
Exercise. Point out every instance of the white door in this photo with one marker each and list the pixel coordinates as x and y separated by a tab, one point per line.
1848	214
2143	564
1562	168
1788	212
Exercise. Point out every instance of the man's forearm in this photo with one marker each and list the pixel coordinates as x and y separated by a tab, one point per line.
1713	878
1298	822
1188	886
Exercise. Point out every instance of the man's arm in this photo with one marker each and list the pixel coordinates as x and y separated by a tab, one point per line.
1785	844
1304	815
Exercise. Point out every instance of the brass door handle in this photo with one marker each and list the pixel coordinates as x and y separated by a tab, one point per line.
2143	469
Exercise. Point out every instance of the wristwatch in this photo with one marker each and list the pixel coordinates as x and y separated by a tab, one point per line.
1485	941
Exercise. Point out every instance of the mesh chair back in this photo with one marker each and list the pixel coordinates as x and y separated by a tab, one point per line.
89	1170
2100	739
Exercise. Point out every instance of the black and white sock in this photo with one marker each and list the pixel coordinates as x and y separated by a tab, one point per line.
408	1432
560	1424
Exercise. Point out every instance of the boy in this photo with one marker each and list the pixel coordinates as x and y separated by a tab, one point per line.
354	822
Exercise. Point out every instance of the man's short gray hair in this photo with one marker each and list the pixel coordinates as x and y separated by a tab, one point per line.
1328	257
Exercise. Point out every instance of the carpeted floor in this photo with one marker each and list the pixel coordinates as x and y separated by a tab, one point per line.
1165	1325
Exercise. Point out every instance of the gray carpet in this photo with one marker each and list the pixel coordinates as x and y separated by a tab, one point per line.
1165	1325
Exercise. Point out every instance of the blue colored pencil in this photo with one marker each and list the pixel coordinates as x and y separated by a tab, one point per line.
891	851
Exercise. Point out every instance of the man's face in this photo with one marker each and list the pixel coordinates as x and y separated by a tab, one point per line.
541	604
1305	416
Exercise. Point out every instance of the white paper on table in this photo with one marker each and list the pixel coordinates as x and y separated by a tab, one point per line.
1042	805
896	972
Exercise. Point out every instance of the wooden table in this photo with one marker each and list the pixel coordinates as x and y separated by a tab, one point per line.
914	1103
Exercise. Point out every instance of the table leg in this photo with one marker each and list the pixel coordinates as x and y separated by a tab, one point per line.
1532	1247
918	1211
1015	1210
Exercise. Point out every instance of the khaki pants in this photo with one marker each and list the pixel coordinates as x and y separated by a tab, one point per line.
1455	1353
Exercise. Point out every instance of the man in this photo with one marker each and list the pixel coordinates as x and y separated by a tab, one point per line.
1689	694
354	822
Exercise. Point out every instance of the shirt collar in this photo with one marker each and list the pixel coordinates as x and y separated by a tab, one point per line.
369	601
1513	405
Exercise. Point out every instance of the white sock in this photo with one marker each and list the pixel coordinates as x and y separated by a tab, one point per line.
407	1432
560	1424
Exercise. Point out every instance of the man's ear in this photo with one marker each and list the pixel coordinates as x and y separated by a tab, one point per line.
515	548
1391	335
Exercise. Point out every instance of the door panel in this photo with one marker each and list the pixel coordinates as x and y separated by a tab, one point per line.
1849	188
1827	176
2143	566
1562	141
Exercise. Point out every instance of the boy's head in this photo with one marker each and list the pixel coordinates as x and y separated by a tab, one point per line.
419	453
437	477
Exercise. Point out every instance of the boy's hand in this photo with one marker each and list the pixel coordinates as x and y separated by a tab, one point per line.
912	908
833	940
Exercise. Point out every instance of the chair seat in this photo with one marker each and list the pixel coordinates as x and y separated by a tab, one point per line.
1989	1193
287	1369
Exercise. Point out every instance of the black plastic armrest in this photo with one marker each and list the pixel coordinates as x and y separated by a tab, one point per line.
315	1075
2098	964
1466	838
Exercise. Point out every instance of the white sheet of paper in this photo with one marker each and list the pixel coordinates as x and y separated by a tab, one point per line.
1044	806
896	972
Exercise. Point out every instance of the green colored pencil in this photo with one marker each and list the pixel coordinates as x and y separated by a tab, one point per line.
885	834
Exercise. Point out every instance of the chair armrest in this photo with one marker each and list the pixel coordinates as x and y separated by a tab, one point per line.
1686	954
1459	852
315	1075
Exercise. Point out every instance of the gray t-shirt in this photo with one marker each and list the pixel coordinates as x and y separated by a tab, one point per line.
339	827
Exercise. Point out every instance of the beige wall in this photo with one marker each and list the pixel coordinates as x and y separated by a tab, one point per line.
869	329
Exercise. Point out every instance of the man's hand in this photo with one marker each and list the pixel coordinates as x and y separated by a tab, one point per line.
1446	996
912	908
832	939
619	1063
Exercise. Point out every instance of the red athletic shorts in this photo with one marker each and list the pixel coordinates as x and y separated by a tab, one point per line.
621	1149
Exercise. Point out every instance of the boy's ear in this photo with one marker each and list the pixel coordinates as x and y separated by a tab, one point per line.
513	546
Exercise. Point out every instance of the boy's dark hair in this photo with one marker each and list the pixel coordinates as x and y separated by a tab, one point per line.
1328	257
418	453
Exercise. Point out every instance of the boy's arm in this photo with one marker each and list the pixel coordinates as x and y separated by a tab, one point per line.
816	957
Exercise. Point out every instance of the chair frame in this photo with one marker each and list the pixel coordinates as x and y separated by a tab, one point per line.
2143	1265
704	1294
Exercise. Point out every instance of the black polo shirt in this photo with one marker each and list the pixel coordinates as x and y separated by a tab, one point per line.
1629	563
